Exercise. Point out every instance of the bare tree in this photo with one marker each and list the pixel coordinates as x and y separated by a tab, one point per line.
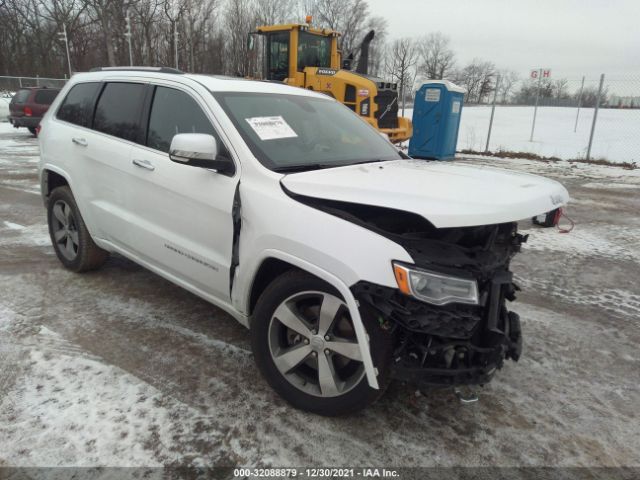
400	65
478	77
239	22
349	17
560	88
437	59
106	14
273	12
508	81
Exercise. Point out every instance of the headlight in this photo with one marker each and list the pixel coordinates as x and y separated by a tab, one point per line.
435	288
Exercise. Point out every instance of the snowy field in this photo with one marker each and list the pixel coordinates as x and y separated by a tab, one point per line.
121	368
616	137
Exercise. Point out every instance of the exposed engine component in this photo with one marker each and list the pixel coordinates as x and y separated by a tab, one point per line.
452	344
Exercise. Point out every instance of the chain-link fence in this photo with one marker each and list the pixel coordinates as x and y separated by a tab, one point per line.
593	118
9	85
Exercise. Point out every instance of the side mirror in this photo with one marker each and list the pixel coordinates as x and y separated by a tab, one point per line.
347	62
200	150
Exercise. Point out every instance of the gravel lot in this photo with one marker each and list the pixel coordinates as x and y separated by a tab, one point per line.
121	368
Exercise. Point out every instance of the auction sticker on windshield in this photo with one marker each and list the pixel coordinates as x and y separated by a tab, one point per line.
271	128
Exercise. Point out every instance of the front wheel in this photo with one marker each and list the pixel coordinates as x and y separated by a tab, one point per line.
33	131
305	346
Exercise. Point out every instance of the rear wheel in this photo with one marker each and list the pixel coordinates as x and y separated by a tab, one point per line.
33	131
69	235
305	346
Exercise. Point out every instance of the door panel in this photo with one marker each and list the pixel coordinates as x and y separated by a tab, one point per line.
106	171
181	219
182	214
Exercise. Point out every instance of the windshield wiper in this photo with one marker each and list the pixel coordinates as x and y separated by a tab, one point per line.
303	167
374	160
318	166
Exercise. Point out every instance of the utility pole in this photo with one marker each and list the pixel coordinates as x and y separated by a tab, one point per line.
535	110
175	39
63	36
128	35
595	117
575	128
493	111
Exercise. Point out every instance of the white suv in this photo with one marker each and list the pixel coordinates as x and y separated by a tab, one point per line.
351	263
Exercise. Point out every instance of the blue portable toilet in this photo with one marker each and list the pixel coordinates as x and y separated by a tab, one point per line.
436	120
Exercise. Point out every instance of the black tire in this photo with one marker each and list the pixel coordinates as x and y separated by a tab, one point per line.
88	256
33	131
360	395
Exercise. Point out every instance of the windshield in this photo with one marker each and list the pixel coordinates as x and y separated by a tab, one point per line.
285	131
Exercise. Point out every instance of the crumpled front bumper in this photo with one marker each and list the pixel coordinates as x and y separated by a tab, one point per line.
447	345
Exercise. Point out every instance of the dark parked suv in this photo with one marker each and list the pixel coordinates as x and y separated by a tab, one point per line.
29	105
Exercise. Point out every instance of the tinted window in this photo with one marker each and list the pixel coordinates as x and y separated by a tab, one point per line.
313	51
77	107
278	56
46	97
118	110
21	96
174	112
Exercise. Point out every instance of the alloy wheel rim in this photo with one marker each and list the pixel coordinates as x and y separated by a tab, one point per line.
65	231
313	344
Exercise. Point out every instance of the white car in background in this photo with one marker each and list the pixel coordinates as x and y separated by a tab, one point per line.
350	263
5	100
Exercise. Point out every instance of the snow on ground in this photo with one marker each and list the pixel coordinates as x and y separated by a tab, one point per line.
616	137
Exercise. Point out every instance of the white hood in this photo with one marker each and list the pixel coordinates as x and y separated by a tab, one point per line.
445	193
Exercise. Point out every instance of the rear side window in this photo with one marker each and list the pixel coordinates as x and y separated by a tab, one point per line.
21	96
46	97
77	106
174	112
118	110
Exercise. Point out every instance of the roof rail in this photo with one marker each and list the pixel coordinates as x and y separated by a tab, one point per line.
138	69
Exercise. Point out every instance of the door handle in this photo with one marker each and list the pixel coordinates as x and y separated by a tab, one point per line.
146	164
80	141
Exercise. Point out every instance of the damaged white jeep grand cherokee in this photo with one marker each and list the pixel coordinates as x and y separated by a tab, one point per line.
350	263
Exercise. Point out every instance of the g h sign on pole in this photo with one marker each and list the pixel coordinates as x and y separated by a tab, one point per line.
539	74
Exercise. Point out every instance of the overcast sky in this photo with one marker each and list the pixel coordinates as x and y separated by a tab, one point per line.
571	37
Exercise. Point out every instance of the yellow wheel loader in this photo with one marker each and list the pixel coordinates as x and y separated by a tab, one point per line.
308	57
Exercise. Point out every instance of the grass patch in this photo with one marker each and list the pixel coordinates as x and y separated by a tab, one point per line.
541	158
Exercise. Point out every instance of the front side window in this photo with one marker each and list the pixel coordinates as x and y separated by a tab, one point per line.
278	56
118	110
303	132
77	107
174	112
313	51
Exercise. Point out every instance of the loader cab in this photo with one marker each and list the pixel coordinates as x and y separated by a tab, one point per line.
287	50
